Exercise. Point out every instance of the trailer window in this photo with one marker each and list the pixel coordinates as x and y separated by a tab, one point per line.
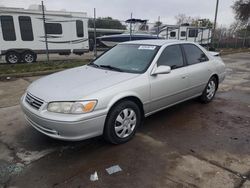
53	28
183	33
79	28
8	28
172	34
26	28
193	33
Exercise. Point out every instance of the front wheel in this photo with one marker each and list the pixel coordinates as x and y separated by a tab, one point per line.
122	122
210	90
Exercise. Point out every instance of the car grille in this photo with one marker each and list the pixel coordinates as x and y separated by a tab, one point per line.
33	101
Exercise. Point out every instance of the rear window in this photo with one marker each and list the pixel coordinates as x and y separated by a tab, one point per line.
8	28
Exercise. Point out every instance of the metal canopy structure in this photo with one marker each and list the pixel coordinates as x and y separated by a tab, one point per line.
134	20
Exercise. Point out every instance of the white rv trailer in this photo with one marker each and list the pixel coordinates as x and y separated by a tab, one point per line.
22	33
201	35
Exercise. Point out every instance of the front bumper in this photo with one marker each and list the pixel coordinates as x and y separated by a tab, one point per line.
64	130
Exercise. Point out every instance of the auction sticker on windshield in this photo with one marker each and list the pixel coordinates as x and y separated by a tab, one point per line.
147	47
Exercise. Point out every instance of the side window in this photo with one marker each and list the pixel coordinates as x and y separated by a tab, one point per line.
194	54
183	33
171	56
79	28
193	33
53	28
172	34
26	28
8	28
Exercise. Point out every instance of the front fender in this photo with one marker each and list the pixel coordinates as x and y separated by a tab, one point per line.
121	96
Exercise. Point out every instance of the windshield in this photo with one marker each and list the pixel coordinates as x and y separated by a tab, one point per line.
127	58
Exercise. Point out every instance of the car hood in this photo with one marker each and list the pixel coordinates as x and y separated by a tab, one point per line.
76	83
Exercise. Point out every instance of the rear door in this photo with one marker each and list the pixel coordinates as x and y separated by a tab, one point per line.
167	89
198	68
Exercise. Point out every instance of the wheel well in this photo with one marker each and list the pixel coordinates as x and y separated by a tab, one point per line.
217	80
134	99
30	51
12	51
19	51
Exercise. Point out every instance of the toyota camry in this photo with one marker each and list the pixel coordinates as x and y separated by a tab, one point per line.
114	93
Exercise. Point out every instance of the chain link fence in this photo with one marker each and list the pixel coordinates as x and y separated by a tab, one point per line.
226	38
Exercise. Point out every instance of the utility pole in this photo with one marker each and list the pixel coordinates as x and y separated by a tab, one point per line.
45	33
95	51
158	26
130	27
215	19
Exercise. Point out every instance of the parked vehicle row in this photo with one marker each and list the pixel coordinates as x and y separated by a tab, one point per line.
22	33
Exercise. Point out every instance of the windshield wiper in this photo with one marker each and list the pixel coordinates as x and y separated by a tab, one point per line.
111	68
93	64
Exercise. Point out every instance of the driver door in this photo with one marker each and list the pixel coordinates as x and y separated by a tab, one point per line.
168	89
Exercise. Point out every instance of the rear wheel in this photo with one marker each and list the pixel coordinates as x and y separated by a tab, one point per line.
29	57
12	57
122	122
210	90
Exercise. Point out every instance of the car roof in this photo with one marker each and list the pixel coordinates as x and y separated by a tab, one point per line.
157	42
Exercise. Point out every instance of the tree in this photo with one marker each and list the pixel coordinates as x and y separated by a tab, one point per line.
158	24
236	26
193	21
202	22
239	29
107	23
182	19
242	10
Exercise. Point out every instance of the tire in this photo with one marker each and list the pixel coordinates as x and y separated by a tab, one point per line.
210	90
122	122
12	57
29	57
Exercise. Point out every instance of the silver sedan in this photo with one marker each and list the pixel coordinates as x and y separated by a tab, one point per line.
111	95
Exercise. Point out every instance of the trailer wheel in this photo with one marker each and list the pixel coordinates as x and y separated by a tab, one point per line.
29	57
12	57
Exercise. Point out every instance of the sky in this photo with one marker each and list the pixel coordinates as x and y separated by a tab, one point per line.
142	9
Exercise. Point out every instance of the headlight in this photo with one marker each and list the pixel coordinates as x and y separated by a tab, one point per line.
72	107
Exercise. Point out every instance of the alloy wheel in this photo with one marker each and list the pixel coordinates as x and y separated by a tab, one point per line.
29	58
13	58
125	123
211	88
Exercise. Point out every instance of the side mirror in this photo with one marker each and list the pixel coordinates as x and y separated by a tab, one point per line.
162	70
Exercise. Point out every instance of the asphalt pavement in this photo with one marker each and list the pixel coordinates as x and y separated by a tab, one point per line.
188	145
